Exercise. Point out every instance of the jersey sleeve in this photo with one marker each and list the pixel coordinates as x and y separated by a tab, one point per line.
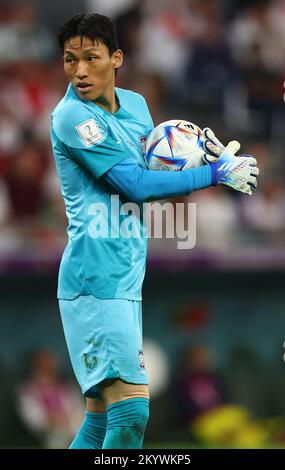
87	139
139	184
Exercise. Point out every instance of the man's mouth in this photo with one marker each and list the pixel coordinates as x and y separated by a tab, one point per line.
84	87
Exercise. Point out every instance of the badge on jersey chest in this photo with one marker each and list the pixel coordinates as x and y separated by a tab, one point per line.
89	132
141	359
143	143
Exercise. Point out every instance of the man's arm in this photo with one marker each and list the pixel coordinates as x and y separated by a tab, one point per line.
104	156
110	159
138	184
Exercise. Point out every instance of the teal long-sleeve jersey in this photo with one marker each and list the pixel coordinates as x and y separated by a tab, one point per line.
89	143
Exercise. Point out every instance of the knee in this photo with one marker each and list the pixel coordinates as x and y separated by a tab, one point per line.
132	413
126	423
141	414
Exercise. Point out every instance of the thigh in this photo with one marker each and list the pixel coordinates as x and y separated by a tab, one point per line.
104	339
116	390
123	326
95	405
83	324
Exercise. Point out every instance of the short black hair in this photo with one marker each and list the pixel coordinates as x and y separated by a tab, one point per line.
96	27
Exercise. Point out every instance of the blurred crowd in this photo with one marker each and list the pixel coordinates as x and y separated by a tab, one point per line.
49	406
42	408
202	405
213	407
217	63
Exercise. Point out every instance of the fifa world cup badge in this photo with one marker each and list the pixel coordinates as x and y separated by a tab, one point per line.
89	132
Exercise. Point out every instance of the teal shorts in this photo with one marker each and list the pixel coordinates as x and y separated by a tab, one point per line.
104	340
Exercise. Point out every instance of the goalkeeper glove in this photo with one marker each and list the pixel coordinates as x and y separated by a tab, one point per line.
238	173
212	146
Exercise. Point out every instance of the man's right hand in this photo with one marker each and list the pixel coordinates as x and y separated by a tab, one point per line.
237	172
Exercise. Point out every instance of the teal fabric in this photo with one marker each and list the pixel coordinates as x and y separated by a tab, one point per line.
92	432
126	423
110	265
104	340
140	185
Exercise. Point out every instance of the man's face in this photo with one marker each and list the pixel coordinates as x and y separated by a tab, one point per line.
90	68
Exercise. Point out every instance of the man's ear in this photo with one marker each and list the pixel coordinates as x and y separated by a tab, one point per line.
117	58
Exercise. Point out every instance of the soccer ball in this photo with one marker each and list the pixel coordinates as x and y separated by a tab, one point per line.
174	145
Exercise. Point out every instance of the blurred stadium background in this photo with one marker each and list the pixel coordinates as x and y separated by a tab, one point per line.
214	316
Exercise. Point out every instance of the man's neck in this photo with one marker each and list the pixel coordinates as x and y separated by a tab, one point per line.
109	103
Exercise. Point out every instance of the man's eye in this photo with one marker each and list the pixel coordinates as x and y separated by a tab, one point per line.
69	60
92	58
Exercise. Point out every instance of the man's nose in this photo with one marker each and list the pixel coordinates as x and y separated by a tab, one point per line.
81	70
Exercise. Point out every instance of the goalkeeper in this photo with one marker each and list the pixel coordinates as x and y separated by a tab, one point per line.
96	135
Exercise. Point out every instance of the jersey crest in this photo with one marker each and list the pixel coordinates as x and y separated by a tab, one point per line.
143	144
